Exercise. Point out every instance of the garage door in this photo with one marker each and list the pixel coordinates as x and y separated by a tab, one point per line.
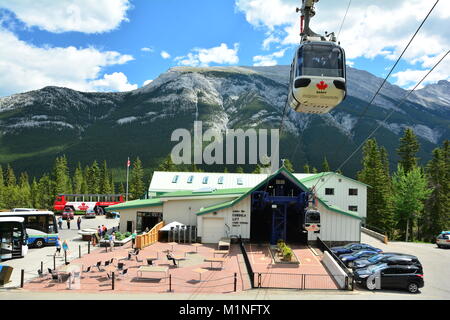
213	230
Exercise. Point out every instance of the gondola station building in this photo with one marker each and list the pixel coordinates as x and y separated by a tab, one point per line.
257	207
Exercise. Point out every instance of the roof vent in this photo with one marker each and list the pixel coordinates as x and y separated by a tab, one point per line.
203	190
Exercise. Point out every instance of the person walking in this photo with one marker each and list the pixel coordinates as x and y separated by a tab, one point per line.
60	222
58	246
79	223
65	247
133	238
111	240
68	223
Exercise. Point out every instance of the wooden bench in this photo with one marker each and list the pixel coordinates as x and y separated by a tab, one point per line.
224	242
200	271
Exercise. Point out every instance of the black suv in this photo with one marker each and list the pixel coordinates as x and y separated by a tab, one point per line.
409	277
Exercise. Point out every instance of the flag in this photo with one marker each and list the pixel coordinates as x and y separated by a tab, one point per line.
128	163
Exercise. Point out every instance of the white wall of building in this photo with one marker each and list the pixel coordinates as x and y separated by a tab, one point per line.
335	226
341	197
184	210
236	219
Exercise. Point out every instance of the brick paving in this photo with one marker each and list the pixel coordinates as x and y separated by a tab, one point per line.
310	273
183	278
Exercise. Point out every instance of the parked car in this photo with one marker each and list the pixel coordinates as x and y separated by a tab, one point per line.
443	240
379	258
353	247
90	214
407	277
68	214
348	259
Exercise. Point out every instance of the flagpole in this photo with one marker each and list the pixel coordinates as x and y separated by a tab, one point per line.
128	168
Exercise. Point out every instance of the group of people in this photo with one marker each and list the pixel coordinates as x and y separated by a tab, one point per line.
62	245
60	223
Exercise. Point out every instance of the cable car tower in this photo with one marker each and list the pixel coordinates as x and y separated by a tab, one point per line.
318	76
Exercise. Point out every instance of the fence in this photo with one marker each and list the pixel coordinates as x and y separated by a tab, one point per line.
349	281
298	281
146	239
248	265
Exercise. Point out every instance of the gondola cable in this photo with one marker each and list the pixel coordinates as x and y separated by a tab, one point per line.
385	79
388	116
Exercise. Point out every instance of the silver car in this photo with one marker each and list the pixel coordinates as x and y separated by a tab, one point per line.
443	240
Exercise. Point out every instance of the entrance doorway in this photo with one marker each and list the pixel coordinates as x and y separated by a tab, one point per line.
147	220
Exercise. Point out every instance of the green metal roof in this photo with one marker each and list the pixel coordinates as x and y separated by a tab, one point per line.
324	174
228	204
154	202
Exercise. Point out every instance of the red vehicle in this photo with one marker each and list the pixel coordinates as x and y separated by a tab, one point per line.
84	202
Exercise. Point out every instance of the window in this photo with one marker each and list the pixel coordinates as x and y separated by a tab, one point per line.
352	192
352	208
190	179
329	191
220	181
175	179
205	180
320	60
239	181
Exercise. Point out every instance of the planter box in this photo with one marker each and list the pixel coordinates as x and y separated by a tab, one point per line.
104	242
278	258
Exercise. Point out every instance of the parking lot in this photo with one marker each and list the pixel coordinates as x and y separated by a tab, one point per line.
435	262
32	261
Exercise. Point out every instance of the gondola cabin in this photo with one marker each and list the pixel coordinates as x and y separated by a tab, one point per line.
317	79
312	220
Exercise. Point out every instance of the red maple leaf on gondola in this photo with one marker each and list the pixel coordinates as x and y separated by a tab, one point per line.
321	85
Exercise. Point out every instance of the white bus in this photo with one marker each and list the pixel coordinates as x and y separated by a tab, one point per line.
13	238
41	226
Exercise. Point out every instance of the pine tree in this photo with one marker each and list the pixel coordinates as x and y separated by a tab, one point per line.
325	165
288	165
137	186
78	180
122	189
225	170
436	214
257	169
35	196
46	191
314	170
10	180
61	176
2	188
410	191
379	195
167	165
409	146
105	181
306	168
24	195
93	180
239	170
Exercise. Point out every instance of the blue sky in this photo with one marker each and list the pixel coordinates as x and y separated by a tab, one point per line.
117	45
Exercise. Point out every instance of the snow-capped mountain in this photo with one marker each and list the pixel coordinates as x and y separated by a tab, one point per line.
38	125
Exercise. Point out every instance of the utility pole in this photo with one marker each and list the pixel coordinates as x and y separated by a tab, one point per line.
128	169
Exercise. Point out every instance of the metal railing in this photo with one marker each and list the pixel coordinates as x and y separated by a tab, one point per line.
248	265
299	281
322	246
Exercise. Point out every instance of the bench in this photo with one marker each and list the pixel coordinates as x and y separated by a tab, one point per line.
218	260
151	269
223	252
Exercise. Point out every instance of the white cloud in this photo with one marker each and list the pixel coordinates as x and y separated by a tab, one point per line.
146	82
268	60
165	54
268	41
75	15
204	57
26	67
371	29
116	81
145	49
